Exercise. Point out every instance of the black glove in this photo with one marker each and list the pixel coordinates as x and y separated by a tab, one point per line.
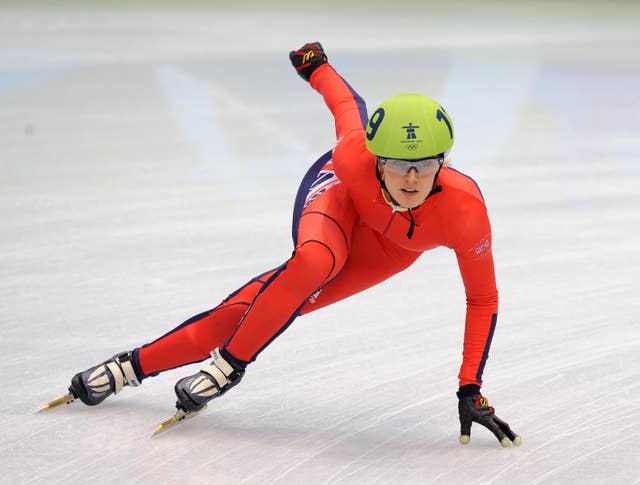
472	406
307	59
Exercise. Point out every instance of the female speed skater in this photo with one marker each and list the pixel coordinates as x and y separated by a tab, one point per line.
364	211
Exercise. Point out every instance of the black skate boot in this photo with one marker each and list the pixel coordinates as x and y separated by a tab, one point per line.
213	380
97	383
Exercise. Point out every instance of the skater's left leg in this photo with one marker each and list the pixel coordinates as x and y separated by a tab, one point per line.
193	340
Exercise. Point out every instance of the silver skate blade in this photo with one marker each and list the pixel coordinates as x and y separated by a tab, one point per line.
66	399
175	419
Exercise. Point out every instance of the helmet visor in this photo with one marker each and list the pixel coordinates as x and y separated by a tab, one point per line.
424	166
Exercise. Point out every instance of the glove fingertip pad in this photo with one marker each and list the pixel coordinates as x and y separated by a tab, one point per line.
464	439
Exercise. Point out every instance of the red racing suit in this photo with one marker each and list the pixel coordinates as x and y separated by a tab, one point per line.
347	238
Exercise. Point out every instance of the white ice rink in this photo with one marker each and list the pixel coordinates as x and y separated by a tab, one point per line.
148	164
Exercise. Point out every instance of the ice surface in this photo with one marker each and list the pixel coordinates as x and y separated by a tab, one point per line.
149	160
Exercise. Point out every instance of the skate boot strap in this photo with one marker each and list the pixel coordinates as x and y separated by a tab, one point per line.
223	372
122	370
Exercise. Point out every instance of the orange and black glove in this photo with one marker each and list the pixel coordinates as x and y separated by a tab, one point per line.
307	59
473	407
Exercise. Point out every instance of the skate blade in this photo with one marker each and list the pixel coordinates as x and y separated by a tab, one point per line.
175	419
66	399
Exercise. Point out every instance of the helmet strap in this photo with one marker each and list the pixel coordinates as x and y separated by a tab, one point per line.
435	178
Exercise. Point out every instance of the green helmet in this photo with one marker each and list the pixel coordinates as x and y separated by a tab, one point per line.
409	126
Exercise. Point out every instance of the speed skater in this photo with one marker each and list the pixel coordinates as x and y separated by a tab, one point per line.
365	210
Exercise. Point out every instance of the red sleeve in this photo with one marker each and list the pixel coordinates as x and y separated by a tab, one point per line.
475	260
348	108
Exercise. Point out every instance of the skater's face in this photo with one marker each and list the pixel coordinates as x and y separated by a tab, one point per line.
408	185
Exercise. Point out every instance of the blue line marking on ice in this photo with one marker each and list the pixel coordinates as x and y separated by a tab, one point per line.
192	104
15	81
486	110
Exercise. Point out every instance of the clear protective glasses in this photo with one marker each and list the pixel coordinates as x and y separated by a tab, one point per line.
424	166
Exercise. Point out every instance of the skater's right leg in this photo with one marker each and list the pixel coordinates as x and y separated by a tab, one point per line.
193	340
190	342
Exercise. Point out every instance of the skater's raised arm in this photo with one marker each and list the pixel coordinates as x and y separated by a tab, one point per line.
348	108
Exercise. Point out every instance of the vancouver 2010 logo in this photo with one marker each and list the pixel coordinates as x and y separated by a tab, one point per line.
411	131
